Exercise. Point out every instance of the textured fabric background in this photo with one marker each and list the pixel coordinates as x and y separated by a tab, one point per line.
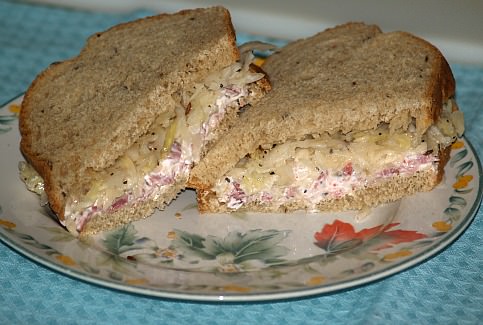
447	289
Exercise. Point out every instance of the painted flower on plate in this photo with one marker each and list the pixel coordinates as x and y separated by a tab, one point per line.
7	120
340	237
7	224
236	251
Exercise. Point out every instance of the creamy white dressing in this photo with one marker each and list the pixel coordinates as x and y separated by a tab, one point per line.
327	185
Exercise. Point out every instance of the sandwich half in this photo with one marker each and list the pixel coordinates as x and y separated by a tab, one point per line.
114	132
356	118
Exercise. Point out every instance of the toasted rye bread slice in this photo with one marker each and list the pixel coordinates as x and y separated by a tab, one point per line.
348	78
79	115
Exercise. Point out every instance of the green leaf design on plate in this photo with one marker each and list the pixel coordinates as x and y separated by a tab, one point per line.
25	237
62	235
38	245
458	156
321	259
116	241
424	242
463	191
5	130
6	120
365	267
457	200
191	243
31	241
235	247
464	168
115	276
453	213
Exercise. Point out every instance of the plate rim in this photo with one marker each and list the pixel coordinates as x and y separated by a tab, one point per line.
363	279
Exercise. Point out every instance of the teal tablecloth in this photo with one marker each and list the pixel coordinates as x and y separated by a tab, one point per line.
447	289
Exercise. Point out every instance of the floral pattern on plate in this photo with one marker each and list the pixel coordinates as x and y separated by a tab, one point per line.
238	257
8	120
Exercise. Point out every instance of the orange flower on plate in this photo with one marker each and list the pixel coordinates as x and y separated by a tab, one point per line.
462	181
235	288
66	260
442	226
315	280
7	224
397	255
136	282
171	235
457	145
14	108
168	253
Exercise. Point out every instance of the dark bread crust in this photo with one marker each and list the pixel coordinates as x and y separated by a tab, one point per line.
443	156
49	170
442	88
42	166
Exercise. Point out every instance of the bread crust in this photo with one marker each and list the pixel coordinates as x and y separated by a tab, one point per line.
42	166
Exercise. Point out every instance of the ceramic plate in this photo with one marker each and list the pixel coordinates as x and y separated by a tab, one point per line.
241	257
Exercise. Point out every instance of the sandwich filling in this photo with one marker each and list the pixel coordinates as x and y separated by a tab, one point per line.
324	167
163	157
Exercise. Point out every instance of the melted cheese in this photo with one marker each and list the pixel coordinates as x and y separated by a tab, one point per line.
324	166
298	163
33	181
